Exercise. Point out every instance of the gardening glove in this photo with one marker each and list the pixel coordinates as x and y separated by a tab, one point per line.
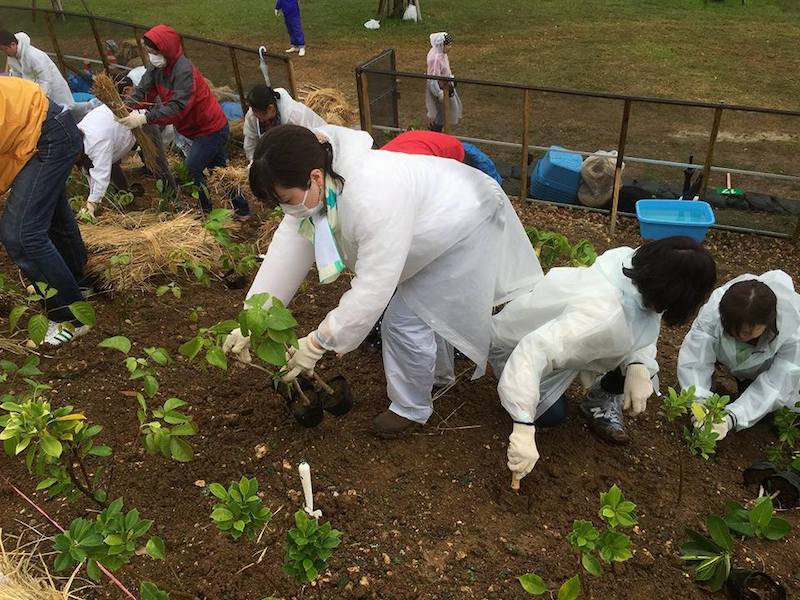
303	359
522	452
238	344
638	388
587	378
277	12
133	120
90	207
721	429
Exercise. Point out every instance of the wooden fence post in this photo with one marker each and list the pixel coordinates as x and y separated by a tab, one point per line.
623	138
523	167
445	107
292	79
712	140
99	43
54	40
238	77
140	46
363	103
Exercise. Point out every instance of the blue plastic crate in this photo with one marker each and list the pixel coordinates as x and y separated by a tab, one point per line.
547	190
561	169
663	218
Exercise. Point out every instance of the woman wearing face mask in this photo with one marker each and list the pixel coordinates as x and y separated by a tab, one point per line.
174	92
751	326
440	233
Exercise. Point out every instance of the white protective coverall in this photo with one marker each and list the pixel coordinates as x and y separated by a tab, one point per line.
291	111
440	233
34	65
773	364
576	319
105	142
439	65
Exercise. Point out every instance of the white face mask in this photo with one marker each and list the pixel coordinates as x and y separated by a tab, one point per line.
157	60
301	211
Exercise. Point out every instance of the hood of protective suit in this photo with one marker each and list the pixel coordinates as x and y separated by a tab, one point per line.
348	145
23	43
135	75
438	61
168	42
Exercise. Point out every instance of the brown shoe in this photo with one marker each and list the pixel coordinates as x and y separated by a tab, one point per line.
389	425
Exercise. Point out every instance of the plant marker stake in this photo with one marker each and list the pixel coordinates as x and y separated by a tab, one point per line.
514	483
105	571
305	477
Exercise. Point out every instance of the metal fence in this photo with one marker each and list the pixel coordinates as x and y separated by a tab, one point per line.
379	92
74	39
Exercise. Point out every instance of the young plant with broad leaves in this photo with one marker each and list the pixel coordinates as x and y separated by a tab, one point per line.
237	259
592	546
701	437
150	591
57	443
673	407
163	427
38	322
759	522
309	546
240	510
111	540
785	453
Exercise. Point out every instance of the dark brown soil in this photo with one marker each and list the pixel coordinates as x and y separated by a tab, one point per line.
426	517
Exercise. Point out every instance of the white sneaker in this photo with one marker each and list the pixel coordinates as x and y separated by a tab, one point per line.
59	333
292	49
302	52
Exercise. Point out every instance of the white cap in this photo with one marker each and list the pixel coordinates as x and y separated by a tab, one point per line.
135	75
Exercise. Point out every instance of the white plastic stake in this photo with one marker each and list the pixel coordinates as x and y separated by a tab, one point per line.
305	478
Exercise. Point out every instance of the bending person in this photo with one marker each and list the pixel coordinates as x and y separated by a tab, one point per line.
592	321
270	107
750	326
443	236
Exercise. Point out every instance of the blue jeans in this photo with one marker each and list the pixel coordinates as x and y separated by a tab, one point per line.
555	415
38	228
207	152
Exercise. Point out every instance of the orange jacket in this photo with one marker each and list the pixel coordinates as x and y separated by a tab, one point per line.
23	109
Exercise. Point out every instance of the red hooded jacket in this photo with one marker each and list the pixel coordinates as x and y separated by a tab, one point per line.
177	94
431	143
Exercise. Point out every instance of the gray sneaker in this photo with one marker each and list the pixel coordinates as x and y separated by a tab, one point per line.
604	411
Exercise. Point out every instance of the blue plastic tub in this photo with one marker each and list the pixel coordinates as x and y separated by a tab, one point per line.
663	218
557	177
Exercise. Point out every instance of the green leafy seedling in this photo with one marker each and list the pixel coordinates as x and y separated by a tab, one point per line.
309	546
757	522
241	511
710	556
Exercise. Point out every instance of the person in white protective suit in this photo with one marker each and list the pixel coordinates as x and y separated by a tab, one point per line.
435	240
751	326
439	92
28	62
590	321
269	107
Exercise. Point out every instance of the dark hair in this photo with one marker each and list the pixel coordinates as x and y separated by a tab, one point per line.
750	302
674	275
448	39
262	96
285	156
7	38
148	43
122	82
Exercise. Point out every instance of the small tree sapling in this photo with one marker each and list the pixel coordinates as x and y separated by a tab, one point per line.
673	407
784	452
150	591
710	556
241	510
309	546
38	322
701	437
110	540
758	522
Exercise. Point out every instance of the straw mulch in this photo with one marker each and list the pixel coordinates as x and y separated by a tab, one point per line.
266	231
224	182
24	574
156	244
106	91
237	129
328	103
223	93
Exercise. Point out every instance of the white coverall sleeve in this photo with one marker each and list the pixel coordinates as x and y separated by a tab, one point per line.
697	357
645	356
288	259
435	90
384	240
305	117
776	387
100	174
569	341
250	134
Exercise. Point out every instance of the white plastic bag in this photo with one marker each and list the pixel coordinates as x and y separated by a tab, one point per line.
597	179
411	12
372	24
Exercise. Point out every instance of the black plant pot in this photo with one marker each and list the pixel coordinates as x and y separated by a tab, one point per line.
341	401
307	414
756	473
753	585
787	486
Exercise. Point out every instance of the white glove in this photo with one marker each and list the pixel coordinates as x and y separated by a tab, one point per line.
303	359
91	207
238	344
277	12
587	378
721	429
522	452
133	120
638	388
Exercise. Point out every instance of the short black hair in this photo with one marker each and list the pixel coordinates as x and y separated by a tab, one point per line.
7	38
262	96
749	302
674	275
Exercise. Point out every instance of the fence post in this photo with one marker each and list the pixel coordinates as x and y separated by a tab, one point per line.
59	55
98	42
238	77
363	103
395	93
523	167
142	53
712	140
623	138
445	108
183	47
292	78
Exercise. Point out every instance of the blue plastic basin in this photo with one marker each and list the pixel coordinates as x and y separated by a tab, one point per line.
664	218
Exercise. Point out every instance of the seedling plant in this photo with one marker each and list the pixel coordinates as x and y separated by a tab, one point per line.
240	510
592	546
785	453
701	438
38	322
550	246
309	546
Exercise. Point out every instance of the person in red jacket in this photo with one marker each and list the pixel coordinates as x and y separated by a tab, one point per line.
174	92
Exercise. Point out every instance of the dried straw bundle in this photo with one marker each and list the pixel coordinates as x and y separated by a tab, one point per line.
328	103
225	182
106	91
265	233
155	244
22	579
237	129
